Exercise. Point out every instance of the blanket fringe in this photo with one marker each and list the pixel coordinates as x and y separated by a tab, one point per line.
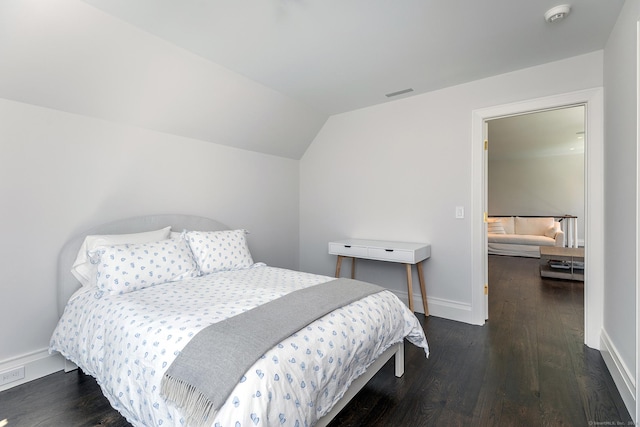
196	406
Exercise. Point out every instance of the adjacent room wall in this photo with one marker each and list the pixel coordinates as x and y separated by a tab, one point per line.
551	185
620	232
62	173
397	171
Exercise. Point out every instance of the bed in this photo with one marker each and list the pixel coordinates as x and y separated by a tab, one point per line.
132	337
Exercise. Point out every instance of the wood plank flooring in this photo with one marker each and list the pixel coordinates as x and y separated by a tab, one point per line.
526	367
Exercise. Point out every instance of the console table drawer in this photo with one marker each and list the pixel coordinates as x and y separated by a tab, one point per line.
393	255
347	250
401	252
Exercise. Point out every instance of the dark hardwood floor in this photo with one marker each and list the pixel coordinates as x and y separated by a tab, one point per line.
526	367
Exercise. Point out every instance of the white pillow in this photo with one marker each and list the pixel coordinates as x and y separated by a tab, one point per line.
536	226
85	271
129	267
551	232
220	250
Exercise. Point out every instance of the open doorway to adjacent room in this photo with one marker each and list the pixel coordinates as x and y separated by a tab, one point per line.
593	102
536	165
536	171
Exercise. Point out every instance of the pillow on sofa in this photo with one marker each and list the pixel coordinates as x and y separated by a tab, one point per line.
495	227
551	232
533	226
505	221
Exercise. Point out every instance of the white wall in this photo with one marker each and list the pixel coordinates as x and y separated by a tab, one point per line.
550	185
397	171
620	163
62	173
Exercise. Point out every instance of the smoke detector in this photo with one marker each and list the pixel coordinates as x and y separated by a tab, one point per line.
557	13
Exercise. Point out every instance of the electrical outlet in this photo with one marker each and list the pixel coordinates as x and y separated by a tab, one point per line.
11	375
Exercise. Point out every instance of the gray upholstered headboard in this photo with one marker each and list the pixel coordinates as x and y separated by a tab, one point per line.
68	284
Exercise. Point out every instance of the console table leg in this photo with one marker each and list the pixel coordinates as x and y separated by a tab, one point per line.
423	289
409	287
353	267
338	265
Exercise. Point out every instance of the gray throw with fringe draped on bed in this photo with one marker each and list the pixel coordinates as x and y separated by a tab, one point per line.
207	370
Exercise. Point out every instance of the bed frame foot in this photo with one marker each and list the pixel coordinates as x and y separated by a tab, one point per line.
361	381
69	366
399	360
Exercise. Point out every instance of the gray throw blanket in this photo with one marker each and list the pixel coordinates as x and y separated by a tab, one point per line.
206	371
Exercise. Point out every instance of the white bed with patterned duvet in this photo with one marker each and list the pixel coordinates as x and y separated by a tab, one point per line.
141	303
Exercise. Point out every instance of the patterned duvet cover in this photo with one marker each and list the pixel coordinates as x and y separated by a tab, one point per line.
128	341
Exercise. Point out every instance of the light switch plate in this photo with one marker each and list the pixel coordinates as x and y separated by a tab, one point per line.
459	212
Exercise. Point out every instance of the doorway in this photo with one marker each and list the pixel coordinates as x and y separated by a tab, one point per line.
536	168
592	99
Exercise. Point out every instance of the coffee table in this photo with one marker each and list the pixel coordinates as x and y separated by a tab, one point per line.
562	263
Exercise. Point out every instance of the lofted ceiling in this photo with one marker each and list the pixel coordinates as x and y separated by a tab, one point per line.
340	55
265	75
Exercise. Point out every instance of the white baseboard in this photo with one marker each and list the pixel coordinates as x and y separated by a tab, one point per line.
452	310
36	365
622	376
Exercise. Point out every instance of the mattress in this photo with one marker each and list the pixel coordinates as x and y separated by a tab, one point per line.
128	341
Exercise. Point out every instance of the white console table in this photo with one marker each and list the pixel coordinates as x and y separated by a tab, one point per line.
400	252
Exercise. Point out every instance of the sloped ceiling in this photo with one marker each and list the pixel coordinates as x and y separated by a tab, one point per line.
70	56
265	75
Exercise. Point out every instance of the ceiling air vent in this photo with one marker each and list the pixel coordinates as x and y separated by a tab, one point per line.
400	92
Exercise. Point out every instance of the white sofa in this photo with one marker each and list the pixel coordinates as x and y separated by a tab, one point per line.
522	236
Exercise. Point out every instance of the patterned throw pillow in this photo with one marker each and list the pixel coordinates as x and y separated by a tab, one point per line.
84	269
495	227
129	267
220	250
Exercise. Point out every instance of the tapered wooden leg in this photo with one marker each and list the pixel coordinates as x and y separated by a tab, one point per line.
423	289
409	287
338	265
353	267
